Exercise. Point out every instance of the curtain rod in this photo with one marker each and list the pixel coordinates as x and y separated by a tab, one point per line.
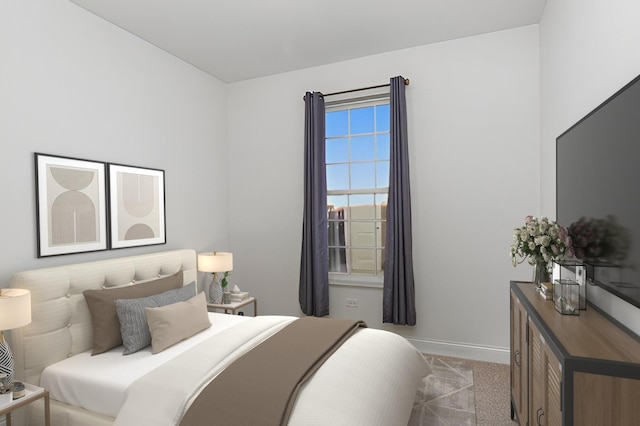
406	83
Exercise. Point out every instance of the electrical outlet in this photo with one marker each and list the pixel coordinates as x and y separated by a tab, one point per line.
352	303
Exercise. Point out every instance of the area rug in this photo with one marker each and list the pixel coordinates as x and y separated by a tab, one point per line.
462	392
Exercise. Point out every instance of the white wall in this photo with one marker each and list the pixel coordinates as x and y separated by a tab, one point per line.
72	84
589	50
473	107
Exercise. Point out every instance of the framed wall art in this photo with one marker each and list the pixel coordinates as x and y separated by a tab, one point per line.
136	206
70	205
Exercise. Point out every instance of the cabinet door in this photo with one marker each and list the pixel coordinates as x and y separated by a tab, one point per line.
545	374
553	401
605	400
519	357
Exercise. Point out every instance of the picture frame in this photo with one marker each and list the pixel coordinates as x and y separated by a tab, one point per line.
71	205
136	206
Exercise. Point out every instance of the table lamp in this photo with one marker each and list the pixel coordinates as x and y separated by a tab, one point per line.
217	261
15	311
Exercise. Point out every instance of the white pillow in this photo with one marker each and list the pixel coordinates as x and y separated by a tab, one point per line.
173	323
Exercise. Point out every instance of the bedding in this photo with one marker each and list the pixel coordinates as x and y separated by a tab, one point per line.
370	379
277	368
98	383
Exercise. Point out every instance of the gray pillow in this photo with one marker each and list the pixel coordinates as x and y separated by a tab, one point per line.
133	321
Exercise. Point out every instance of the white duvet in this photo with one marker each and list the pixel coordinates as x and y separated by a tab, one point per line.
98	383
370	380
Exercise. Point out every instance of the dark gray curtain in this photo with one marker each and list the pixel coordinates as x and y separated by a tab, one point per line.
398	303
314	263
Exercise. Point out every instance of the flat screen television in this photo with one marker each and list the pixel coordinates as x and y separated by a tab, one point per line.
598	192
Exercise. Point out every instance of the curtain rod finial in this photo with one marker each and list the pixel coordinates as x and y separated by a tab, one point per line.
407	81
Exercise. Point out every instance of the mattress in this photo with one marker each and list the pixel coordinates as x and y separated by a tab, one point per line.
99	383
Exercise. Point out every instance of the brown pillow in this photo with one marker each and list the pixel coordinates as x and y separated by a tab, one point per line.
173	323
106	326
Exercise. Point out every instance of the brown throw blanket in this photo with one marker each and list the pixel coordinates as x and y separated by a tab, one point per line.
260	388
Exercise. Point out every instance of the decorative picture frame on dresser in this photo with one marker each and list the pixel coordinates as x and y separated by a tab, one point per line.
136	206
71	211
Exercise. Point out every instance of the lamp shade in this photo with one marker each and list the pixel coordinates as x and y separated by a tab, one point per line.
15	308
217	261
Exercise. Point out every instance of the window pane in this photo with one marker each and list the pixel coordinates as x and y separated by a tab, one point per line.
363	261
337	150
362	234
362	207
336	123
337	233
362	175
361	200
381	228
383	150
382	174
362	148
362	120
381	210
337	203
337	176
382	118
380	254
337	259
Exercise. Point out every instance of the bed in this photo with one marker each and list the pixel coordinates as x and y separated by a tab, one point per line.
370	378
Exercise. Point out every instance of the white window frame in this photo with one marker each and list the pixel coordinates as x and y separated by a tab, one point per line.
350	278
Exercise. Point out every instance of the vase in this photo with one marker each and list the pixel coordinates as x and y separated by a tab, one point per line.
541	273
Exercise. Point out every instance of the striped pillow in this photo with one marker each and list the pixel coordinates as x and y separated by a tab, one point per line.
133	321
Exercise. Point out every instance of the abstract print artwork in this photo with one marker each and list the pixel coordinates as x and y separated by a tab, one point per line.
71	205
136	205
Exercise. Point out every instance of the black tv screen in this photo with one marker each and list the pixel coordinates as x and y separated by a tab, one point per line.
598	192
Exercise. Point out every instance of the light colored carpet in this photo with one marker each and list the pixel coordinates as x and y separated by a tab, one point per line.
491	383
463	392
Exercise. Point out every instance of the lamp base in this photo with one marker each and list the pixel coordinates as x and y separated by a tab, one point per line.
6	360
215	292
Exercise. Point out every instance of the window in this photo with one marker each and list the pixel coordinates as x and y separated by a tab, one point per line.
357	165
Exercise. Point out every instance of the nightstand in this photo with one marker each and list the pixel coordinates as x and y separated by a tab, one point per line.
32	393
233	307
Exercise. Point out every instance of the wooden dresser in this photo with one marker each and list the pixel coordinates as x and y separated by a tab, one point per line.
571	370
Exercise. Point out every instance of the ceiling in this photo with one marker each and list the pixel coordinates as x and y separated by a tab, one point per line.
236	40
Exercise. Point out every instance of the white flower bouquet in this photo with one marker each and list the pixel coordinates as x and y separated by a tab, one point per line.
540	240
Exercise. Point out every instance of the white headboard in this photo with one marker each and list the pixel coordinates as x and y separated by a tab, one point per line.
61	323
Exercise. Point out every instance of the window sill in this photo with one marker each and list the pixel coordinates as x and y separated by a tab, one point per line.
356	280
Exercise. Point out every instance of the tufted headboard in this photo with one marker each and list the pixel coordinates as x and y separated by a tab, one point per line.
61	323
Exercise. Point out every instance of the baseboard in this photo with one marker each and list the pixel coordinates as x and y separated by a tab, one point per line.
462	350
